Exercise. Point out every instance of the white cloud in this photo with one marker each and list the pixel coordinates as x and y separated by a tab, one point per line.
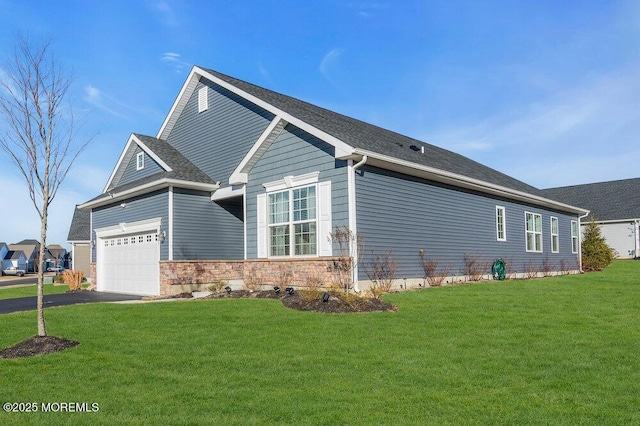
174	60
97	98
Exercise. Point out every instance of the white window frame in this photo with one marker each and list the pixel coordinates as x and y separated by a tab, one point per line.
203	99
555	236
291	223
323	212
140	161
501	213
537	234
574	236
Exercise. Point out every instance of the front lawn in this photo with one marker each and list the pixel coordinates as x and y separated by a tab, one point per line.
31	290
562	350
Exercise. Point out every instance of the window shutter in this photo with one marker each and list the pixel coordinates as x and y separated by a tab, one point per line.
324	219
203	99
262	226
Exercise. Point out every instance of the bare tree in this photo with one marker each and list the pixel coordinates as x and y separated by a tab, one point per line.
38	131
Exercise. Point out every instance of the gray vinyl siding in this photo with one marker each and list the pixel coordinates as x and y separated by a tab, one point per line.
144	207
130	173
405	214
294	153
204	229
217	139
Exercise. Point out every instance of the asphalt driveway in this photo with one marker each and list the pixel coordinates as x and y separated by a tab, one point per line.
29	303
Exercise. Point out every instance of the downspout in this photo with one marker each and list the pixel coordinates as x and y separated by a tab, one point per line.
580	241
637	235
352	217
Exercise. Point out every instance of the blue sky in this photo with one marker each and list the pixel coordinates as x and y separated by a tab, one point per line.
545	91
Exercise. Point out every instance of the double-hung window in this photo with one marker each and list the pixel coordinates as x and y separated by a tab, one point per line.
501	224
574	236
533	231
555	241
293	222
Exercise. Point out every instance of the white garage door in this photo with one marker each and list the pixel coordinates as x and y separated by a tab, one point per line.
129	264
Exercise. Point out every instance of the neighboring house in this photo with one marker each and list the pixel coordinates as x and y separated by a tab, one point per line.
3	251
614	205
15	258
31	249
80	239
243	183
55	255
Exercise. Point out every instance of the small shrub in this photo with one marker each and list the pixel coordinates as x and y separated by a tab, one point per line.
474	267
596	254
283	277
72	278
382	272
509	271
313	282
253	280
348	243
563	267
546	267
530	270
433	272
218	285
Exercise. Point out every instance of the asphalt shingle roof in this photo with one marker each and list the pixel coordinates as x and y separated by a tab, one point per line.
612	200
182	168
80	226
373	138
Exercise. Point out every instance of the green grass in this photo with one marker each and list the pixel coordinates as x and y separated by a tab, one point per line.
562	350
31	290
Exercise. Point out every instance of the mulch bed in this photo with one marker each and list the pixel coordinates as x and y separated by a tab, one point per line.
312	301
37	345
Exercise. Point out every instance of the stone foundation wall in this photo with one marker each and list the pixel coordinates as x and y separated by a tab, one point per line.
92	276
180	276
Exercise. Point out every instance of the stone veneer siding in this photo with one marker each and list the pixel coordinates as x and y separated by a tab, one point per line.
179	276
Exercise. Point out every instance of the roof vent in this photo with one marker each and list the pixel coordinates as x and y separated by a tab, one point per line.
415	147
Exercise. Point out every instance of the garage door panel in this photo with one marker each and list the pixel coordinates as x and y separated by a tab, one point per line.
129	264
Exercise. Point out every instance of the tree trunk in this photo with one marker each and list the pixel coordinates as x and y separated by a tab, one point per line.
42	328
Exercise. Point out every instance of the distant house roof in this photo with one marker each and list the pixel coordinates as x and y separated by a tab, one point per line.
80	229
30	249
612	200
27	242
14	255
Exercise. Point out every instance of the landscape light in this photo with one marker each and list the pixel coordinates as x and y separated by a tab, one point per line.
276	289
289	290
325	297
228	289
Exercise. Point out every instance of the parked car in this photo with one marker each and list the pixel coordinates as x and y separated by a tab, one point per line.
55	269
13	270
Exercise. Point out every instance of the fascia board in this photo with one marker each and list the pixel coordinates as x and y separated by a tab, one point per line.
228	192
460	181
117	167
149	187
341	147
152	154
178	105
239	175
604	222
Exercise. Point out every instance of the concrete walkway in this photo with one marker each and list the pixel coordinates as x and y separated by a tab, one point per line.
29	303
